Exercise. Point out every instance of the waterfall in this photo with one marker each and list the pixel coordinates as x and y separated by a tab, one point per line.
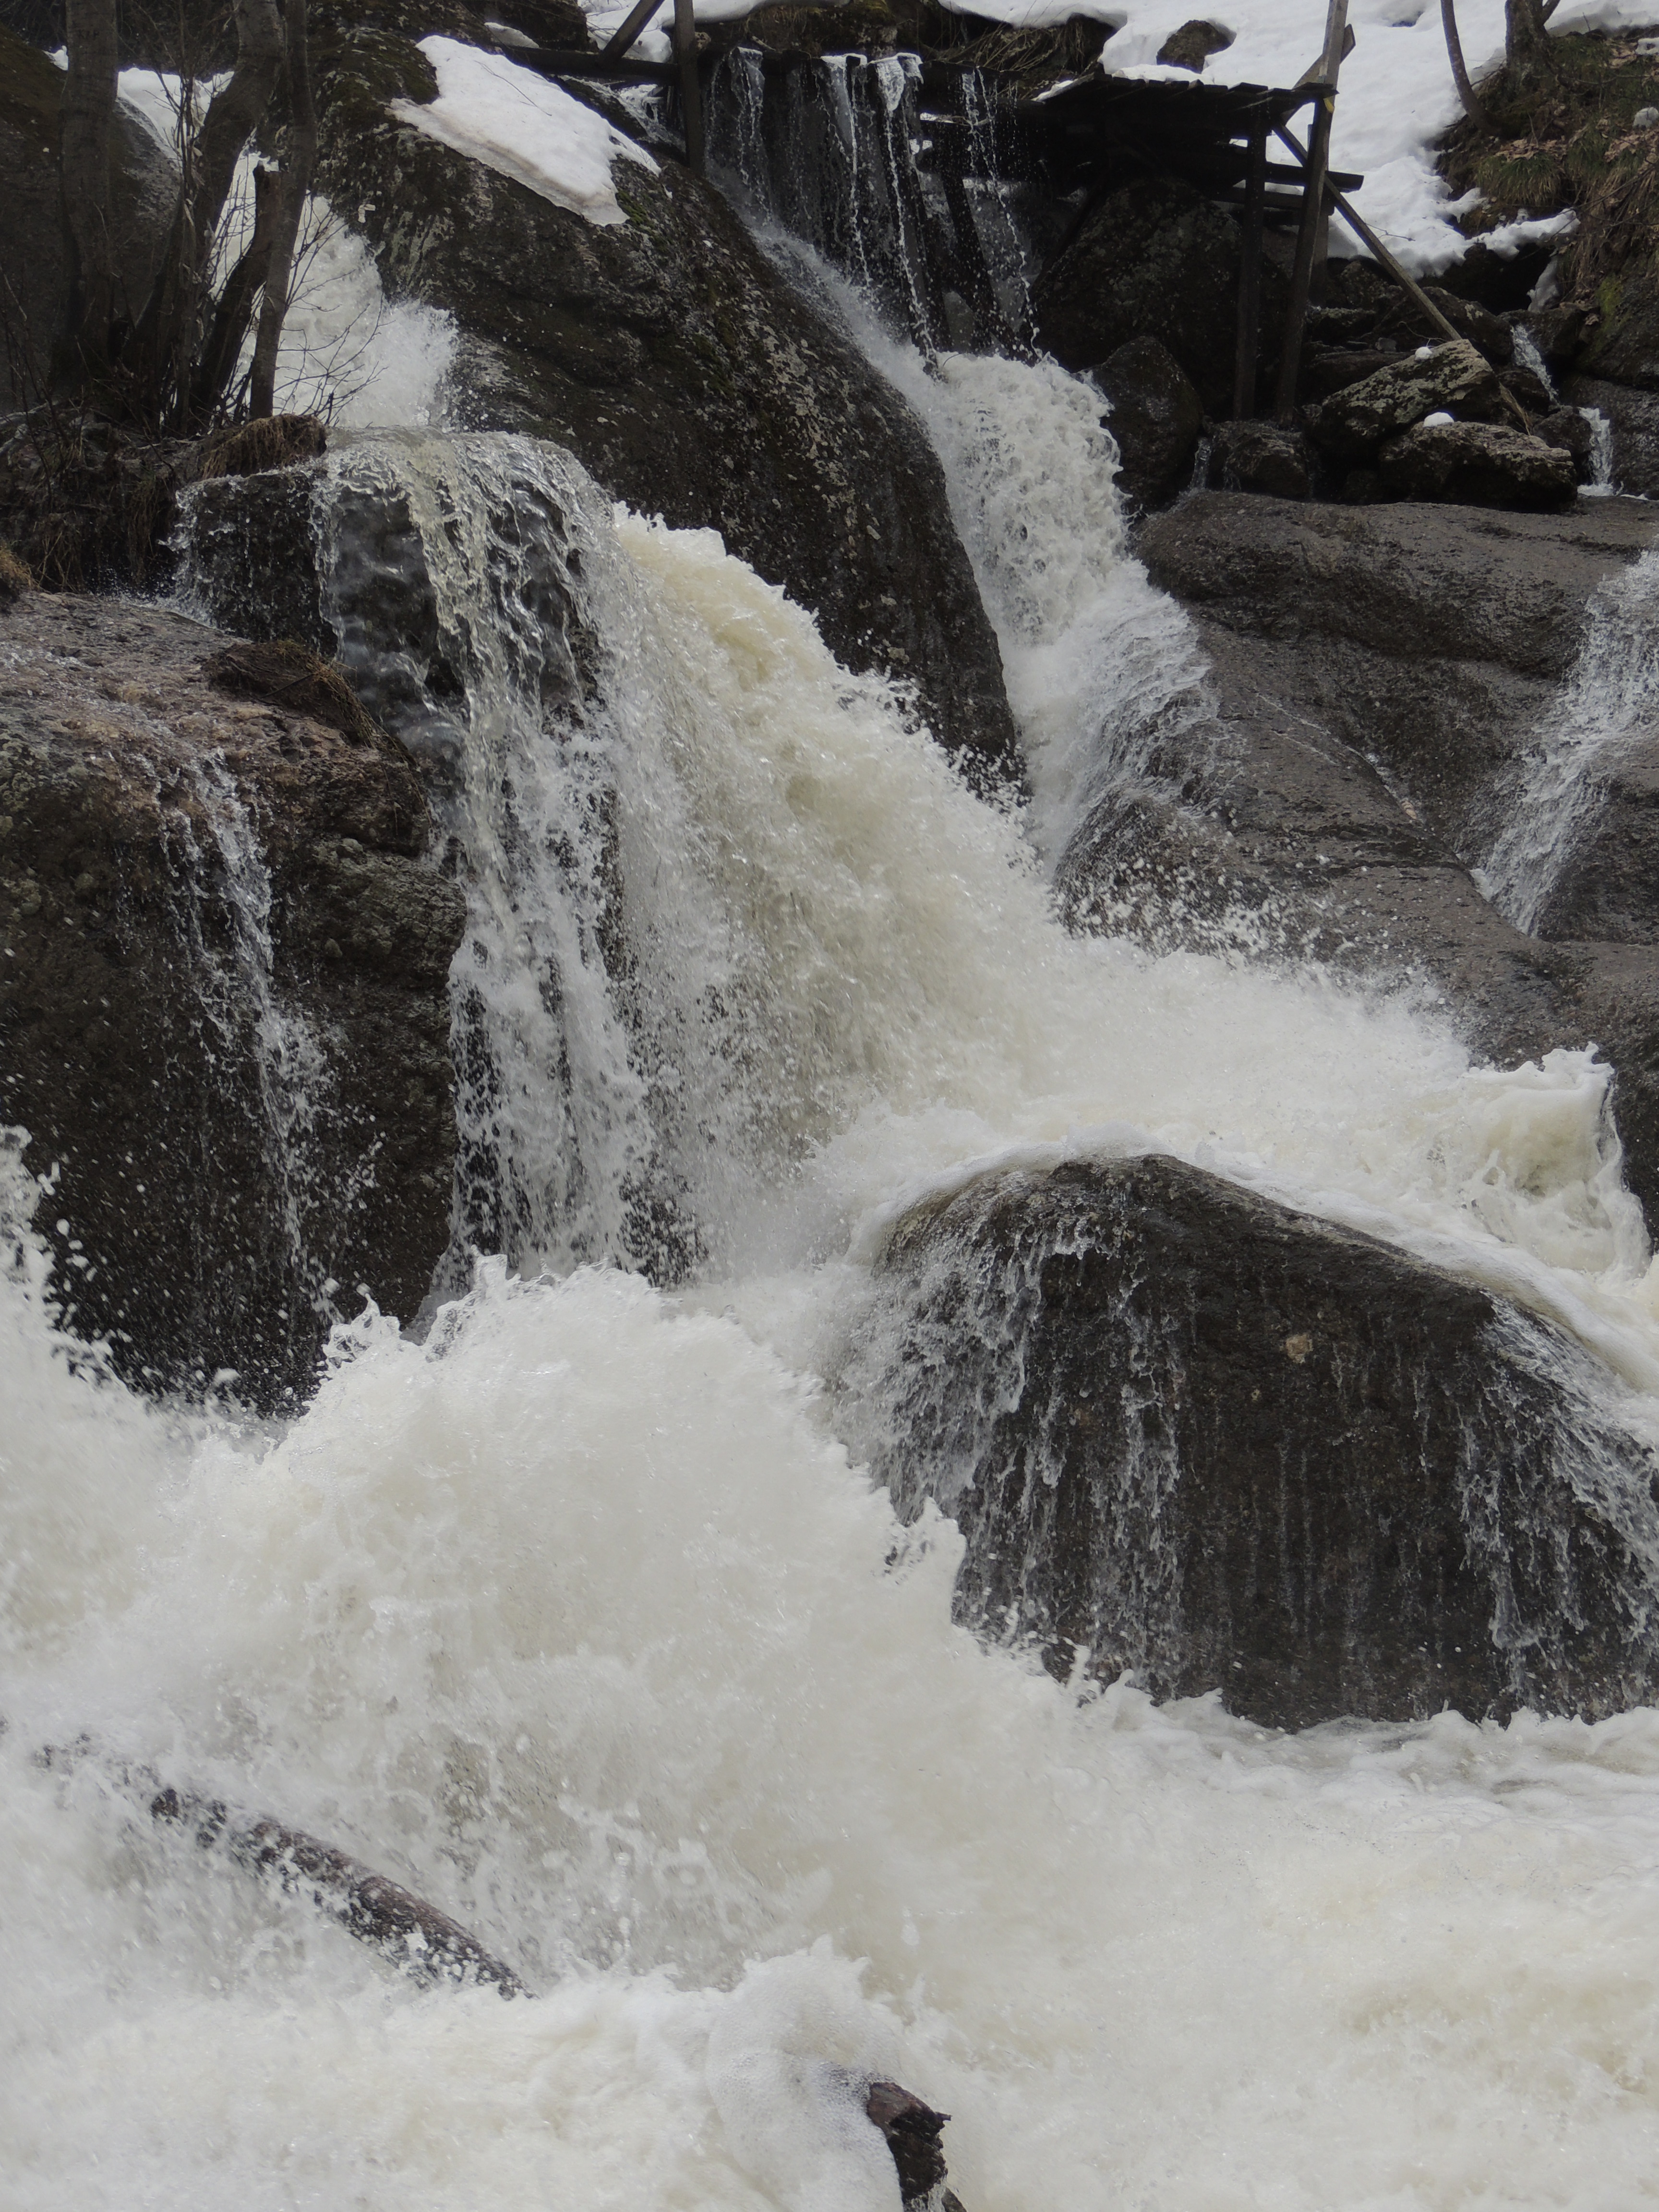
579	1616
1549	801
847	157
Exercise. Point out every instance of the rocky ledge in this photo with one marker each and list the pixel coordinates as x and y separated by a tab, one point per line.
224	1012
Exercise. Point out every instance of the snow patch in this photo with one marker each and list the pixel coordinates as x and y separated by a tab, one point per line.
495	111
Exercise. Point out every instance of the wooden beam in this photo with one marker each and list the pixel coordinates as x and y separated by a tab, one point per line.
1249	280
1317	163
638	17
686	46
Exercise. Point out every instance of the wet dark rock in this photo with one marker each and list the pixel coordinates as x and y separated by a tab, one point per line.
1621	339
1633	419
1155	259
1328	369
1528	389
1156	418
1260	457
1451	378
1566	428
1405	320
180	865
1558	332
1189	1433
1191	46
683	371
913	2131
1478	464
1609	888
34	275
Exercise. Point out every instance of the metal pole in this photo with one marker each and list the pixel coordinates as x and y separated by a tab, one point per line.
1250	278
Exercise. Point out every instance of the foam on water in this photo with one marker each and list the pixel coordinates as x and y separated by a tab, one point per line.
576	1618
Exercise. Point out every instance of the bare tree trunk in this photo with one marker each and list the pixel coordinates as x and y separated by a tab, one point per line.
171	333
1526	36
87	125
234	311
298	162
1466	91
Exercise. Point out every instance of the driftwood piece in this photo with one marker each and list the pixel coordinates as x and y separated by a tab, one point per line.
413	1935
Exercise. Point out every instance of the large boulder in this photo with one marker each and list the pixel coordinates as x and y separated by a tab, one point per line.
1450	379
1155	421
1192	1434
1478	464
224	1014
33	271
682	368
1154	259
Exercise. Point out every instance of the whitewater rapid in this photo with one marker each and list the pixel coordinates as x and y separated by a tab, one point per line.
576	1617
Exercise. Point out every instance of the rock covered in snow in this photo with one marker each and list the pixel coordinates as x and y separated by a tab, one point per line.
1189	1433
1478	464
1451	378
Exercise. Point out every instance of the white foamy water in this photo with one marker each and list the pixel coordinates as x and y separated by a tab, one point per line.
577	1619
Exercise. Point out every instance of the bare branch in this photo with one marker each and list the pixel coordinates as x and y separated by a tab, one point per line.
1466	91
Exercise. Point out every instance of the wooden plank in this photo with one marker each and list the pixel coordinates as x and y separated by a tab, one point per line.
1249	281
1313	206
638	17
685	46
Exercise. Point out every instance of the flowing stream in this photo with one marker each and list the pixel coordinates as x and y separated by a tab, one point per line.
577	1616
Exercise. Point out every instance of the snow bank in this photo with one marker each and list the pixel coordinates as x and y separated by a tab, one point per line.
497	111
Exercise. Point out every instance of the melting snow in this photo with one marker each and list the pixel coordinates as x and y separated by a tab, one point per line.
499	112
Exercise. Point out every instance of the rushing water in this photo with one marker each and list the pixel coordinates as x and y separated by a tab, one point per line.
576	1616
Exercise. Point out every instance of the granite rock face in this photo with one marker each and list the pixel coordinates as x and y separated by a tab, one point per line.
1377	678
1187	1432
224	999
1450	379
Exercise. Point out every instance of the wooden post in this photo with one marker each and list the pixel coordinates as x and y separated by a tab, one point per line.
686	41
638	17
1312	203
1249	277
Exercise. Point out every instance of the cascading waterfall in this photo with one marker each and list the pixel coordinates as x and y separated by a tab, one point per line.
576	1615
1553	796
842	156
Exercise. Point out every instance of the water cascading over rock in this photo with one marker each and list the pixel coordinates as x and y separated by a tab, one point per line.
1195	1435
